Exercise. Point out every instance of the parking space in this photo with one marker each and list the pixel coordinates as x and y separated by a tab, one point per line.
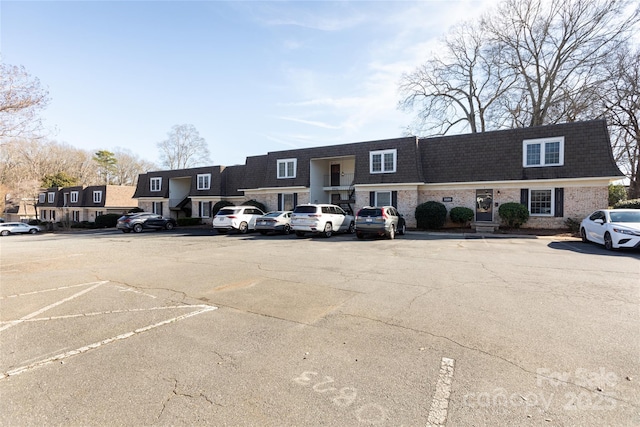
190	327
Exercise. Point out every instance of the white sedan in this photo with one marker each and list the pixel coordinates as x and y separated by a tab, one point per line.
613	228
7	228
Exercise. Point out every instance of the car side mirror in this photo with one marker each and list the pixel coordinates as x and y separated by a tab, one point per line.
599	221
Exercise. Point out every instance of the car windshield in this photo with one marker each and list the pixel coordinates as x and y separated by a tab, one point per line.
370	212
273	214
227	211
625	216
305	209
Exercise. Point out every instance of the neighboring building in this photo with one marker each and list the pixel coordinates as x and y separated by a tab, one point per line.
81	203
21	210
558	172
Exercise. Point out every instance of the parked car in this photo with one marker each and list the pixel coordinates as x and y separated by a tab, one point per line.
322	219
238	218
613	228
139	221
276	221
7	228
379	221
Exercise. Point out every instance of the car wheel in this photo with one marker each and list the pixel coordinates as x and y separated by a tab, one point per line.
352	228
300	233
608	242
328	230
583	236
169	226
359	235
33	231
242	229
263	232
287	229
4	233
137	228
402	229
392	233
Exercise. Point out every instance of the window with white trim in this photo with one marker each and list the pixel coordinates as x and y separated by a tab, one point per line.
541	202
383	161
543	152
204	181
75	216
97	196
51	197
41	197
204	210
287	168
155	184
156	208
74	197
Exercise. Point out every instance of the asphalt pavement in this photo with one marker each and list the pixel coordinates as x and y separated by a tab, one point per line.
187	327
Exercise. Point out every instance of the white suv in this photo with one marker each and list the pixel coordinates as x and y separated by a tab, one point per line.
325	219
239	218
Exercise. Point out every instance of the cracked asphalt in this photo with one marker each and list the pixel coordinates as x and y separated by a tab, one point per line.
193	328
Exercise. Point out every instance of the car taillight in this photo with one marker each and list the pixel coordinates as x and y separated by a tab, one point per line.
231	216
384	215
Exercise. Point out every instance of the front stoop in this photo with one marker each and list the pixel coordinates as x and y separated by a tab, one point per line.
485	226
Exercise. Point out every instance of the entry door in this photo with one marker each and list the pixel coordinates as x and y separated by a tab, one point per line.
484	205
335	175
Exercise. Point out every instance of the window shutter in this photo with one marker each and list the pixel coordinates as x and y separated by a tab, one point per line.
372	198
280	207
559	201
524	197
394	199
295	199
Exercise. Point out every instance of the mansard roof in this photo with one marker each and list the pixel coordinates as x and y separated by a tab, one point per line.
497	155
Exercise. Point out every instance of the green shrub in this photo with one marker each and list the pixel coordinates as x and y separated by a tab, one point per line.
573	225
431	215
257	204
461	215
189	221
107	220
616	194
513	214
628	204
219	205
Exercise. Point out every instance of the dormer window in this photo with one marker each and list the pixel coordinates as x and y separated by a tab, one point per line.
51	197
74	197
204	181
383	161
155	184
543	152
287	168
97	197
41	197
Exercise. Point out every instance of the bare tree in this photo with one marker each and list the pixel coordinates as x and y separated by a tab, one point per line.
129	167
558	48
461	87
21	99
621	103
184	148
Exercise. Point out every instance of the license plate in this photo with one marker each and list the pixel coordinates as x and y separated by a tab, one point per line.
368	220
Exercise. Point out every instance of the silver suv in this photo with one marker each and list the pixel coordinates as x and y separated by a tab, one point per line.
322	219
379	221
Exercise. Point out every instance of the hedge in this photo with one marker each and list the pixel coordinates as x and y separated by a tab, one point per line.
431	215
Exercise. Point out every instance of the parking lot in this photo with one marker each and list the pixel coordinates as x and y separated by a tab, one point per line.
187	327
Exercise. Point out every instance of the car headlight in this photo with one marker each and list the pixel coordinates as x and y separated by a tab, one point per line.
625	231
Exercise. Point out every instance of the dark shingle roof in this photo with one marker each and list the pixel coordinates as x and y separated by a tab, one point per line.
497	155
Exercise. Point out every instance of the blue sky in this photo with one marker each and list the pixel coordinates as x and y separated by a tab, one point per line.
252	77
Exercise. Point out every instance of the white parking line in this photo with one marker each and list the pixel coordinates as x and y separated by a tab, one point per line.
49	307
51	290
440	403
98	344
